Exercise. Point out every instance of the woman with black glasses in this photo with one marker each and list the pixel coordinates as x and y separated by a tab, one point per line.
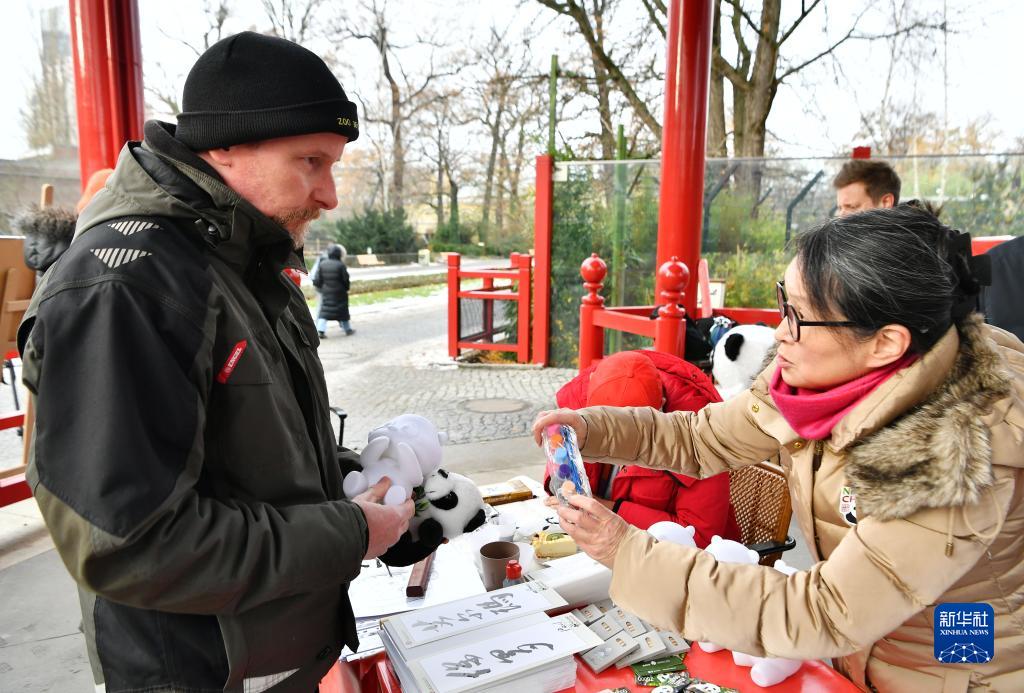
900	418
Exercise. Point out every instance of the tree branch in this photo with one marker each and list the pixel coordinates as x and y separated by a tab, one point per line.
573	10
741	45
735	77
853	35
652	7
804	11
737	7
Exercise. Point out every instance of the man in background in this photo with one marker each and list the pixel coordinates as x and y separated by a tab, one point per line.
863	184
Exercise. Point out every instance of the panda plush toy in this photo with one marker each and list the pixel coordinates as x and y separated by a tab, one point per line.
739	356
447	505
451	505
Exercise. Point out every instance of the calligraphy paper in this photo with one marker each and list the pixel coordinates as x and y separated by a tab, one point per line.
442	621
491	660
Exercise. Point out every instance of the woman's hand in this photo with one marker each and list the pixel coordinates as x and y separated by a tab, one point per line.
553	502
595	528
560	416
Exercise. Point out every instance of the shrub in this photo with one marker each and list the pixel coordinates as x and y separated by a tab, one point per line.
749	276
385	232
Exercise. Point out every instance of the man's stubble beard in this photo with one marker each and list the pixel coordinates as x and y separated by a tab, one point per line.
296	222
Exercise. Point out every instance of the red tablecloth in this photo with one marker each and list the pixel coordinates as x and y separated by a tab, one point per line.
374	674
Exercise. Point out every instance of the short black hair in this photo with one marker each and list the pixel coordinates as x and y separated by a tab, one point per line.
878	178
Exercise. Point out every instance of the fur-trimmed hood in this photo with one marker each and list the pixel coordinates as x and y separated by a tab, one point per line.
48	232
939	453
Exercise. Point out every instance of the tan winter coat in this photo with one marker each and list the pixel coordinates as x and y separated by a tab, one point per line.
935	459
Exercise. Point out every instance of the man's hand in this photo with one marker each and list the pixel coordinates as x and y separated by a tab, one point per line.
385	523
561	416
595	528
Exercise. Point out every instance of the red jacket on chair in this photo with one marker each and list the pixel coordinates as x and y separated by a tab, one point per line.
644	496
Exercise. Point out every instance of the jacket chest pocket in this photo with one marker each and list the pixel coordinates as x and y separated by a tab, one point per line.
241	359
652	488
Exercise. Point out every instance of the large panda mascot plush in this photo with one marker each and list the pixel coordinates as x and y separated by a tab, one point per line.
739	356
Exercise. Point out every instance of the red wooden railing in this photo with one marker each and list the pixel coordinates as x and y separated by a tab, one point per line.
668	330
13	487
983	244
519	273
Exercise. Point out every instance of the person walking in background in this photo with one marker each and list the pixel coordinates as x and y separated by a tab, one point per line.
331	279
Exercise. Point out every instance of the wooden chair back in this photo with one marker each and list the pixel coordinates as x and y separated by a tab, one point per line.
760	497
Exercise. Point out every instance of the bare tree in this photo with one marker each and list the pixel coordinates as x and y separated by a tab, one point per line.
525	112
760	66
505	65
217	15
407	94
592	28
292	19
49	119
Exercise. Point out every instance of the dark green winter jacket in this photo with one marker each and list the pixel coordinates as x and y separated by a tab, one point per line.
183	457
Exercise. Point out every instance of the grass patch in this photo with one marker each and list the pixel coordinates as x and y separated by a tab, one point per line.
365	298
370	297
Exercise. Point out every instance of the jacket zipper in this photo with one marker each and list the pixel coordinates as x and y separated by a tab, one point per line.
819	451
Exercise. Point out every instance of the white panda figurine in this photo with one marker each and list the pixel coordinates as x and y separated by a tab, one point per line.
406	449
739	356
673	532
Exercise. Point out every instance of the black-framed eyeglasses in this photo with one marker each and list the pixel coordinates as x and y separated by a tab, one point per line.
788	313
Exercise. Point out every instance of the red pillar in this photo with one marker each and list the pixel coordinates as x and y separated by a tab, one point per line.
542	223
108	79
687	74
522	262
454	260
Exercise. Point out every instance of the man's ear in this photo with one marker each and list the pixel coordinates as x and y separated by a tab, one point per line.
888	345
887	201
221	157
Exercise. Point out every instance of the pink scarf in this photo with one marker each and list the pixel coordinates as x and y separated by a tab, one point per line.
814	413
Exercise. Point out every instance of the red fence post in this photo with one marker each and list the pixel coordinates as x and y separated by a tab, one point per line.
453	304
523	262
543	221
593	270
861	153
670	327
687	72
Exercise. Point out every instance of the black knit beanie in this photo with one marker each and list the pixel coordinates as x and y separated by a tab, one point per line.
251	87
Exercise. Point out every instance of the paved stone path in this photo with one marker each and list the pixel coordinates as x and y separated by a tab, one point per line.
397	363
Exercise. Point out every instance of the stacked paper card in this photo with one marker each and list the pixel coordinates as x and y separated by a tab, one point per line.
500	641
578	578
626	638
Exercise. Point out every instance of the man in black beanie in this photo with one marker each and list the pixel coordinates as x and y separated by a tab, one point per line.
184	459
